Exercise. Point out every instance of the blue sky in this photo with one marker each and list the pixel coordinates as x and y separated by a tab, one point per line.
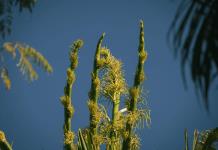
31	113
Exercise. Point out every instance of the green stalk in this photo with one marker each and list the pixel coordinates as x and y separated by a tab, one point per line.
113	86
94	91
66	99
4	145
135	90
115	112
186	140
115	116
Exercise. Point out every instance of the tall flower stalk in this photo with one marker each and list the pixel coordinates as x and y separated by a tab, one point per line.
101	60
135	91
66	99
94	91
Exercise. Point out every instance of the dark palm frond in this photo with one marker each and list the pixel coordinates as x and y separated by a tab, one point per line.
26	4
211	136
6	14
194	36
5	17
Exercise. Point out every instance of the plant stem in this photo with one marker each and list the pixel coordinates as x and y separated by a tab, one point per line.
66	99
94	91
115	116
4	145
135	90
115	111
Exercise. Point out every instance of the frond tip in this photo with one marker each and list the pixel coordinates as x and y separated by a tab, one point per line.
28	56
4	145
5	78
9	47
38	58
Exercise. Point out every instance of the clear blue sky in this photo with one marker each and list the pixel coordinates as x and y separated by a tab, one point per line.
31	114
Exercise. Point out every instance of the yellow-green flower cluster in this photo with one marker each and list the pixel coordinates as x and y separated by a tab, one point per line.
68	137
113	83
107	80
135	142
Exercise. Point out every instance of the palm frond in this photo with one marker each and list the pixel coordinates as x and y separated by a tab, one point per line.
194	36
6	13
5	77
28	57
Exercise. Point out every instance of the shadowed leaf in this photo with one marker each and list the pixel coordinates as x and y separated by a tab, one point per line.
194	36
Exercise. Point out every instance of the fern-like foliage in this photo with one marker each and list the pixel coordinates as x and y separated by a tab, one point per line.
27	57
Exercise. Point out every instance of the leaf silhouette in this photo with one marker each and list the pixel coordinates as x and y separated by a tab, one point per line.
193	35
